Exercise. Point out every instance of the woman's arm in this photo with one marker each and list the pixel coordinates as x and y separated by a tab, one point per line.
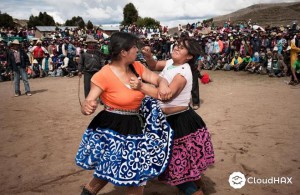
90	103
162	91
152	64
176	86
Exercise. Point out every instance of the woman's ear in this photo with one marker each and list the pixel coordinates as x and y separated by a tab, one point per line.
123	53
189	57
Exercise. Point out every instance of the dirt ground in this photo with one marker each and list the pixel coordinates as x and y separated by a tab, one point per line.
253	119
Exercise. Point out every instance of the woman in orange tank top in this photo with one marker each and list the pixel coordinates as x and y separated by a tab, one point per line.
128	142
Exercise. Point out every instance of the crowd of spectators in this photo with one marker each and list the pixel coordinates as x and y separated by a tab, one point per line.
56	54
244	46
240	47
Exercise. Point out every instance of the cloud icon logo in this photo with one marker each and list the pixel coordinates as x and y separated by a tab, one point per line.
237	180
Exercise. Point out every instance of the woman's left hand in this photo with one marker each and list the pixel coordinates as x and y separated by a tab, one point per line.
164	92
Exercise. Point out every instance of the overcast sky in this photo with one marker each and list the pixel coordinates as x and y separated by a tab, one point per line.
99	12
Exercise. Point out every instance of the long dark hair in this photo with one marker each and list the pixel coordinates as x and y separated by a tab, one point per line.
193	47
121	41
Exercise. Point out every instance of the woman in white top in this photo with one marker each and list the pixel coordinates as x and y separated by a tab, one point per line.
192	150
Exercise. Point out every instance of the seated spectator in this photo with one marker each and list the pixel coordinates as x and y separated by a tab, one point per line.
282	67
68	69
51	64
224	60
276	69
214	61
64	66
218	63
205	62
37	70
236	61
5	72
254	65
54	64
269	64
4	68
45	64
73	68
263	62
246	62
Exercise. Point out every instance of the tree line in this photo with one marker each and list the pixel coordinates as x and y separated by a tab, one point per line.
130	16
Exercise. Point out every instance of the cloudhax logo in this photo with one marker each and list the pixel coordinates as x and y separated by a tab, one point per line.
237	180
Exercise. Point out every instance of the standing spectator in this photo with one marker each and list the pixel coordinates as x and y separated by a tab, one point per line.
279	43
287	60
237	44
243	49
295	48
265	42
18	61
45	64
52	49
105	51
215	45
273	41
71	50
255	42
221	44
89	63
225	44
38	52
295	72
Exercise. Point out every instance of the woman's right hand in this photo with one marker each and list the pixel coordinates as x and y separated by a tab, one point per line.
89	106
146	52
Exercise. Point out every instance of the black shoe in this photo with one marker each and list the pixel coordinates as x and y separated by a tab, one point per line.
85	192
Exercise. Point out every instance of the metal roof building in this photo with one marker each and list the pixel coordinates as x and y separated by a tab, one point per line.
44	30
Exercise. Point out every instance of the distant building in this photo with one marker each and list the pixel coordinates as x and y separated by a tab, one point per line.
45	31
109	29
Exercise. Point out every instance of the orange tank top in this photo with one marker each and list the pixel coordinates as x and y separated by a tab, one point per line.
115	93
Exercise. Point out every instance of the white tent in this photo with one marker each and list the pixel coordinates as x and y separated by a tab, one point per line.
256	27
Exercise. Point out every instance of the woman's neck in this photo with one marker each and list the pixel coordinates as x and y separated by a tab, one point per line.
120	66
178	63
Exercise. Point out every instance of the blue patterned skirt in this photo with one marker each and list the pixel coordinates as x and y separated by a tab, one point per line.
127	150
